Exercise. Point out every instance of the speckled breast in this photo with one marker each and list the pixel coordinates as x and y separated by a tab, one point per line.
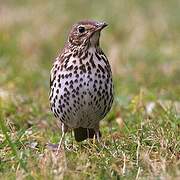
81	92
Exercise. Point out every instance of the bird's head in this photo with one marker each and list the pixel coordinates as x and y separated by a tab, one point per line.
86	32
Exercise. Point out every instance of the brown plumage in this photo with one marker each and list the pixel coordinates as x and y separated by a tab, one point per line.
81	88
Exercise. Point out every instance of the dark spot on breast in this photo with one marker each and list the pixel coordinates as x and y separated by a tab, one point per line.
84	92
71	86
56	97
55	113
89	72
62	66
98	93
92	61
101	68
89	68
106	86
99	58
75	67
61	109
75	53
87	63
66	63
52	80
70	68
105	60
68	56
80	53
85	55
58	111
82	68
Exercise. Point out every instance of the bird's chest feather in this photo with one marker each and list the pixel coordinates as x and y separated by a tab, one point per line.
82	89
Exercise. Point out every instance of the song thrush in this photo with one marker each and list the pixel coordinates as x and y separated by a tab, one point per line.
81	88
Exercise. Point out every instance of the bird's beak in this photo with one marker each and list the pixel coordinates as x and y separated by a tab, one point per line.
101	26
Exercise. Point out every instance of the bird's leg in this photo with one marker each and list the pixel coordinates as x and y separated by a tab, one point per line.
97	133
71	145
64	129
60	143
89	139
88	133
97	136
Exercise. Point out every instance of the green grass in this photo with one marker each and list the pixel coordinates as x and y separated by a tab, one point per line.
141	133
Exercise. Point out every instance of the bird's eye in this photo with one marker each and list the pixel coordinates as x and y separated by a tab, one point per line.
81	29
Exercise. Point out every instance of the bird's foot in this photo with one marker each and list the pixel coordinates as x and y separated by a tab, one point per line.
52	147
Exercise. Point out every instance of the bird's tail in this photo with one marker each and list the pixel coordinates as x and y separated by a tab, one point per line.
84	133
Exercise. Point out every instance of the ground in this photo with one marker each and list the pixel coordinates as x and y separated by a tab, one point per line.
141	133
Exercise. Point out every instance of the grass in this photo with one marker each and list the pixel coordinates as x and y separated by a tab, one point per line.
140	134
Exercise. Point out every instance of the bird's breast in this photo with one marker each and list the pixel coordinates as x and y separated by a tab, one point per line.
82	91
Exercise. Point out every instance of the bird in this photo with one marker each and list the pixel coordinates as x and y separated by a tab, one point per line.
81	85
